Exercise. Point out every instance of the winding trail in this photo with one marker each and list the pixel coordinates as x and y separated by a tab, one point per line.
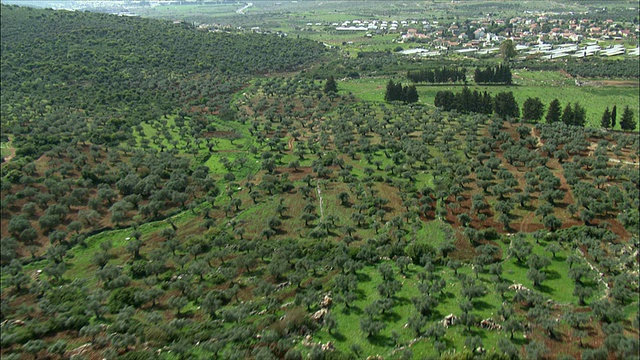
320	200
524	225
241	10
539	142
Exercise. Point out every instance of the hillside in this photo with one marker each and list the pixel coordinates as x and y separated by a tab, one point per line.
179	194
95	76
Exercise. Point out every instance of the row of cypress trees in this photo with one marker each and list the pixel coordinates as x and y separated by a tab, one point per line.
441	75
466	101
396	92
500	74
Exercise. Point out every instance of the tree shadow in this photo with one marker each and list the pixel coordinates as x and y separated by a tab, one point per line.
521	265
380	340
401	300
338	336
352	309
390	316
481	305
519	341
363	277
546	289
448	295
552	275
436	315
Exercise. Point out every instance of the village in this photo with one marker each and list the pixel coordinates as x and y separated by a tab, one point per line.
547	36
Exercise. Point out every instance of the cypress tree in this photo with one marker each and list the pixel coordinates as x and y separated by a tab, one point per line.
398	92
330	86
507	75
445	100
505	105
626	122
465	100
411	94
614	115
478	76
476	102
579	115
605	122
390	93
553	113
487	103
567	115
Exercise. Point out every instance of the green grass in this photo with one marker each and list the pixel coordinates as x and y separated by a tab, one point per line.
432	232
367	89
6	149
558	285
348	330
593	99
546	85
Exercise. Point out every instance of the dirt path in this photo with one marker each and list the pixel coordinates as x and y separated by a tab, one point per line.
526	220
291	144
566	74
320	200
539	142
241	10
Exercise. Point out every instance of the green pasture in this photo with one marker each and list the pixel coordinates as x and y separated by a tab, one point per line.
544	85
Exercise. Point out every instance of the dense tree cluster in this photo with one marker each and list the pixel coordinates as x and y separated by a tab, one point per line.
438	75
466	101
499	74
396	92
575	114
626	68
87	78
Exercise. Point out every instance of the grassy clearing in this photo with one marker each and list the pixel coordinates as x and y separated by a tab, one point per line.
6	149
545	85
367	89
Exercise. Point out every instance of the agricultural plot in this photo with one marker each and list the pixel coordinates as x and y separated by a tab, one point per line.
270	216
